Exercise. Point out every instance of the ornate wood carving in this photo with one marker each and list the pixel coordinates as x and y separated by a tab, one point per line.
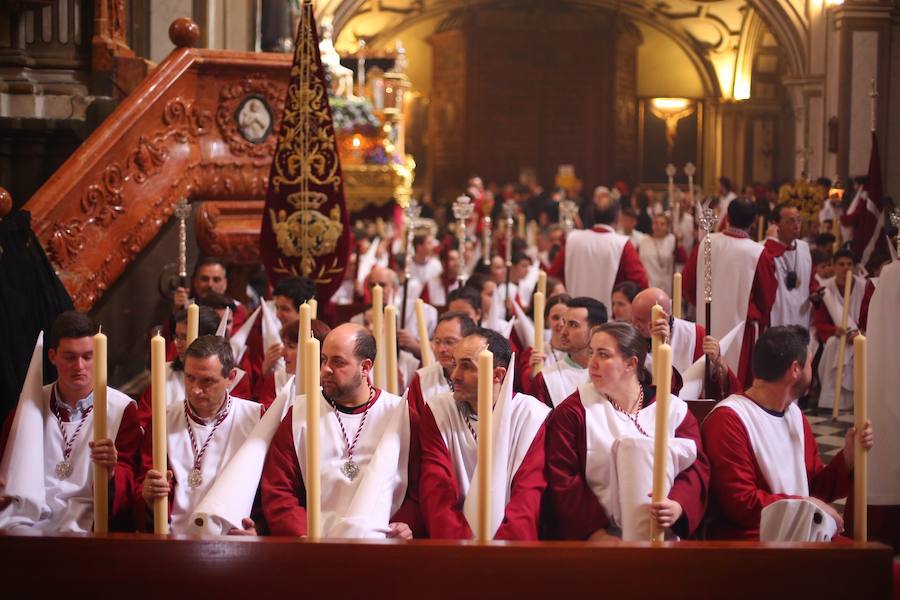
230	100
175	136
231	229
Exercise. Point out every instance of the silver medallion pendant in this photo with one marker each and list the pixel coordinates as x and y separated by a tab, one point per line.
350	469
64	468
195	478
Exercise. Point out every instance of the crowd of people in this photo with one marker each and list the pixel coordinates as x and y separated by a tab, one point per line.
573	424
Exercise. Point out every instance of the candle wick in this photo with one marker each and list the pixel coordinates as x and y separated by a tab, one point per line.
100	328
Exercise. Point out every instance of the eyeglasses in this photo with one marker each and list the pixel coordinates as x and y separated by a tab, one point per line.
444	342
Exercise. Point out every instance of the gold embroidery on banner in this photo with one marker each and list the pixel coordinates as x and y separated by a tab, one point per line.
306	118
307	233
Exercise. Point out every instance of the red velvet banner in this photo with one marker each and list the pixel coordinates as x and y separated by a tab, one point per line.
305	227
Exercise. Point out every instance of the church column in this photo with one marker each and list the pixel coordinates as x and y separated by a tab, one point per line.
711	168
864	31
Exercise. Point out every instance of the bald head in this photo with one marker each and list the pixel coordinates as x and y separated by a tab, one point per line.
382	276
642	307
351	339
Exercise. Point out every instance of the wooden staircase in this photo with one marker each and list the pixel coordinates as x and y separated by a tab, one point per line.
175	136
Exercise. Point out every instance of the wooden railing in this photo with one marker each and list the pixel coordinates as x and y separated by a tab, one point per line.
176	135
149	566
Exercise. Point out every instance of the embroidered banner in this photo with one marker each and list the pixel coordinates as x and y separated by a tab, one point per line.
305	227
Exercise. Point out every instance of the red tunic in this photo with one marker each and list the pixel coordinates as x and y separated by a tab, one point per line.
575	512
864	306
442	507
759	306
284	494
739	490
128	444
630	266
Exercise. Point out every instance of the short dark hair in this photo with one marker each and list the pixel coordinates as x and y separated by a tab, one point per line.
212	345
298	289
726	183
824	239
629	289
466	325
596	310
741	213
608	214
207	320
478	279
71	324
364	345
466	294
419	239
845	253
776	212
496	345
777	349
518	257
217	301
209	260
820	256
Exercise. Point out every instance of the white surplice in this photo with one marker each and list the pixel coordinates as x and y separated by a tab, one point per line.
562	378
361	507
883	377
834	302
53	504
658	257
734	262
243	416
619	460
592	262
792	306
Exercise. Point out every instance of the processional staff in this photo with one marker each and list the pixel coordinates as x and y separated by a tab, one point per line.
486	241
411	212
895	221
509	211
182	212
707	221
673	203
462	210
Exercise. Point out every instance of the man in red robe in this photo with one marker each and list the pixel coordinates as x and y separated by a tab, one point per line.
577	263
743	283
355	420
689	343
66	440
434	379
450	449
559	380
761	448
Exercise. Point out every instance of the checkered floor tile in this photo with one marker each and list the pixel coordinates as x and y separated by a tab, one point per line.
829	434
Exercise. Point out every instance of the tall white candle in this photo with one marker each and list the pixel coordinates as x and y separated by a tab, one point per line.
101	475
390	349
661	435
378	332
424	342
313	481
860	454
193	323
485	443
160	450
538	303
